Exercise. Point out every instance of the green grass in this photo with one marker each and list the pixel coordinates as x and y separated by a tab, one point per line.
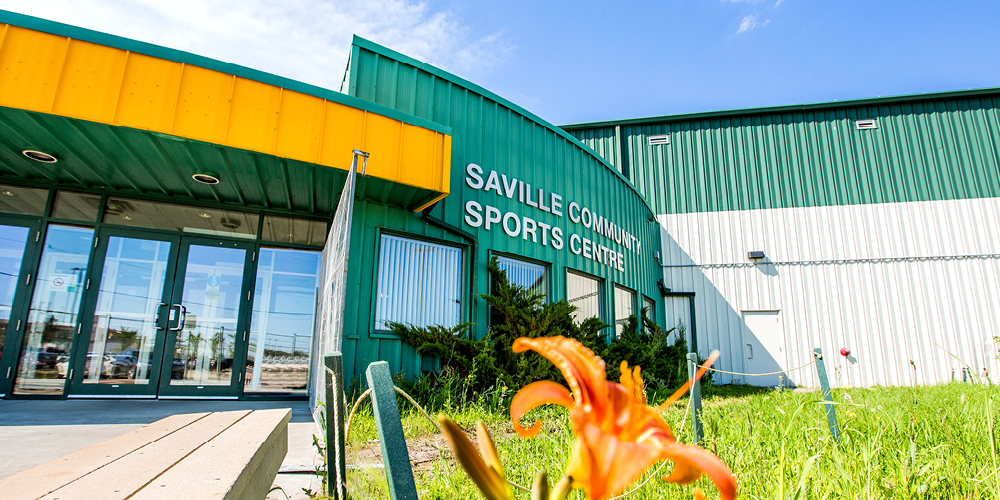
900	443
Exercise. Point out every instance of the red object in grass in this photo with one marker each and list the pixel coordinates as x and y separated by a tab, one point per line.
845	352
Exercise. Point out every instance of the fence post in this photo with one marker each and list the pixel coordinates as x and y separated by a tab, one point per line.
390	433
696	429
824	382
336	459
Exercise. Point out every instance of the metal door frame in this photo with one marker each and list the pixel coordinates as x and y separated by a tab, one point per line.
22	299
241	340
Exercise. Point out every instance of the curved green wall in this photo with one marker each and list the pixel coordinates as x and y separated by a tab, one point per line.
499	136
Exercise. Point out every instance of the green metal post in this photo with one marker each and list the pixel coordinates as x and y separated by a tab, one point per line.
697	432
336	407
390	433
824	382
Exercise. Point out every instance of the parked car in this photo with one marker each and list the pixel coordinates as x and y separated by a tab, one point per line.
62	364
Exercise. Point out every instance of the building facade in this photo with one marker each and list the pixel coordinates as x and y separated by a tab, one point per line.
873	222
162	217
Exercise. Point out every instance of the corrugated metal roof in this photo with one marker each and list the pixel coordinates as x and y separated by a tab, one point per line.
941	148
792	108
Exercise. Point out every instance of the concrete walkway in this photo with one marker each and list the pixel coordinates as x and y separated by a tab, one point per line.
33	432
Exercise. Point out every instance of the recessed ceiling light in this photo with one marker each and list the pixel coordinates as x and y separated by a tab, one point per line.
230	223
125	217
39	156
7	193
205	216
205	178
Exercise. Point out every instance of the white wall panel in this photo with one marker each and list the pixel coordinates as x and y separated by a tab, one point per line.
892	282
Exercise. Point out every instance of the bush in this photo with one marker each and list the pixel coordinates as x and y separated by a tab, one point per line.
473	368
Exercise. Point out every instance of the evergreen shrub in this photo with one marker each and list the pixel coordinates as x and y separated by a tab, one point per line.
473	369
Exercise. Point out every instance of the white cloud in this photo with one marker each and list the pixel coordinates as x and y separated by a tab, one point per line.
306	40
750	22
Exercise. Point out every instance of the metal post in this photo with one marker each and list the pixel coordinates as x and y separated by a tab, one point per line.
697	432
824	382
336	407
390	433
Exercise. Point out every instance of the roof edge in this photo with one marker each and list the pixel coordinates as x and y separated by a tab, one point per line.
174	55
457	80
767	110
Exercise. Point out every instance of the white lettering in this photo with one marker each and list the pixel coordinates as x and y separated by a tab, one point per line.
541	200
509	188
545	232
529	227
586	217
573	238
621	262
517	227
574	219
557	241
527	198
556	203
586	248
475	173
492	216
474	215
493	183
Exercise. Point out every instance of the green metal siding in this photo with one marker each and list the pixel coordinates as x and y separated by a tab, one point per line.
497	135
936	149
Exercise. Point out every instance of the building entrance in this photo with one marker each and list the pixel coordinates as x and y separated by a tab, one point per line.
163	316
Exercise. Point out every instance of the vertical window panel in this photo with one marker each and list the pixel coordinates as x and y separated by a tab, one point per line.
534	277
624	307
282	326
585	293
419	283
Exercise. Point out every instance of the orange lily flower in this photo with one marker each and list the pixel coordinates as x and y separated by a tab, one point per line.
618	437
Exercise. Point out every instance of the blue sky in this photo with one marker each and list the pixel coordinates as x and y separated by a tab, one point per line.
572	62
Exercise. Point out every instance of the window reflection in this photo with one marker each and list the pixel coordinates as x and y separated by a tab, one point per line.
419	283
123	335
52	318
624	307
526	274
13	239
282	326
583	292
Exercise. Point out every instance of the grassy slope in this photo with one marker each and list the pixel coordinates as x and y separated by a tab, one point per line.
932	442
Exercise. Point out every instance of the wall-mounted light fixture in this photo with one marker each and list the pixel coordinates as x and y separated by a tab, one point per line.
755	254
656	257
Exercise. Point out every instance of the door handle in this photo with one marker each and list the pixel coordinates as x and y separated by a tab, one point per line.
182	317
158	306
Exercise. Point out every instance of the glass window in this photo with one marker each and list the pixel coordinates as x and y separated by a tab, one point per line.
23	200
76	206
585	293
123	335
297	231
650	306
13	240
52	318
624	307
534	277
282	327
198	220
419	283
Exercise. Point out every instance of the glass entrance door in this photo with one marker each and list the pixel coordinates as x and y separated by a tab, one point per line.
17	242
122	354
206	347
167	318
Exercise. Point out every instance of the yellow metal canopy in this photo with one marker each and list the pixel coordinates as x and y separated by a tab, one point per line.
65	76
